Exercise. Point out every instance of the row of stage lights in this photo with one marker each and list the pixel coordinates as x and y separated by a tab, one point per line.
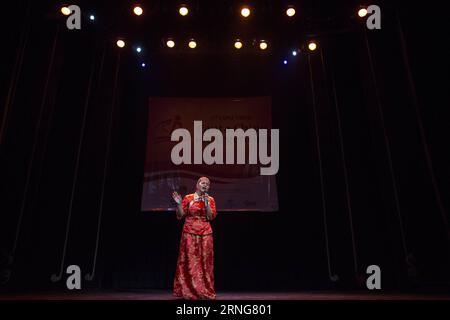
312	46
192	44
183	10
245	12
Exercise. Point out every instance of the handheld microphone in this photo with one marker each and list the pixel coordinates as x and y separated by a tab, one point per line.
205	199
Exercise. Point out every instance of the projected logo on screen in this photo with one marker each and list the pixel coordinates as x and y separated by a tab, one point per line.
235	142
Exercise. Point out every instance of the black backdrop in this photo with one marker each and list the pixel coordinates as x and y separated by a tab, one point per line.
285	250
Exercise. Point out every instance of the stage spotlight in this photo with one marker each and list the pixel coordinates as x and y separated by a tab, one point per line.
65	11
138	49
290	12
170	43
192	44
138	11
120	43
263	45
362	12
294	53
245	12
183	10
238	44
312	46
92	17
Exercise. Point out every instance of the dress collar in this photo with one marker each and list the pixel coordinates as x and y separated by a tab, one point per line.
196	197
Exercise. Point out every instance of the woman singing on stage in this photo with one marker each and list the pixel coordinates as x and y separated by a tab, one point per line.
194	275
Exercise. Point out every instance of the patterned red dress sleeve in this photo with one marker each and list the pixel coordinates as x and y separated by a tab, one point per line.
185	206
212	204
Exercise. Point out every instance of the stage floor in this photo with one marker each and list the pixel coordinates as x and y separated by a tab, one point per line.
166	295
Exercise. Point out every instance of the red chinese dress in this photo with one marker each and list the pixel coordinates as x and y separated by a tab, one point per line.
194	275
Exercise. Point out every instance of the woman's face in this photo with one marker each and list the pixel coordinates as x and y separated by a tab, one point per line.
203	185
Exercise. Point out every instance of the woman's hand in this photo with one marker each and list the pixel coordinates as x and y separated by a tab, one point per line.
205	199
176	197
